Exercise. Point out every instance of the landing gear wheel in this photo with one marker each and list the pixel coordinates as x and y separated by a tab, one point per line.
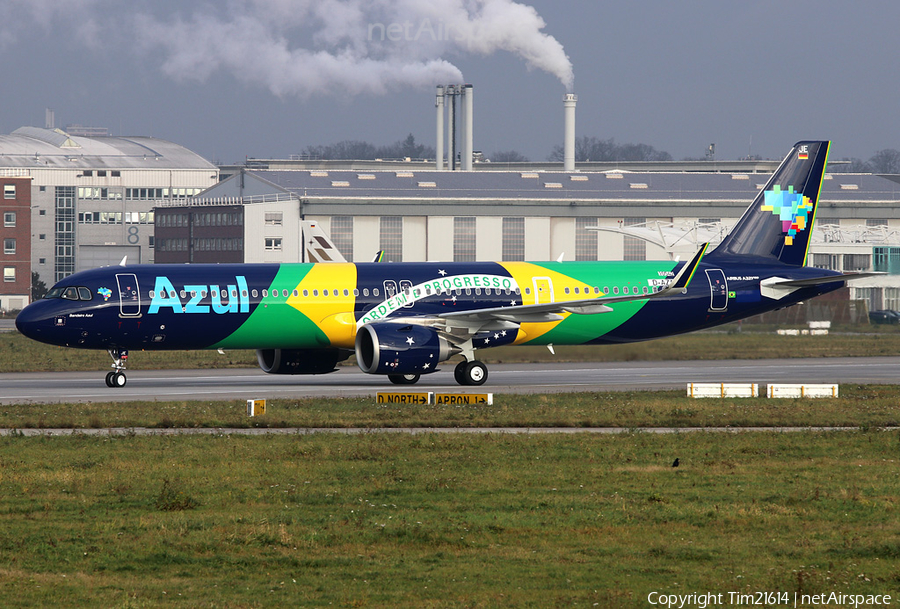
118	379
459	373
109	378
471	373
404	379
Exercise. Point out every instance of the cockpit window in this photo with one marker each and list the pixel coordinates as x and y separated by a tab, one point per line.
70	293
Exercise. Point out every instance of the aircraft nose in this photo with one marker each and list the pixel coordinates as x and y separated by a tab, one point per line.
32	321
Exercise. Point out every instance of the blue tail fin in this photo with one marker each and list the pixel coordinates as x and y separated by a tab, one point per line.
778	225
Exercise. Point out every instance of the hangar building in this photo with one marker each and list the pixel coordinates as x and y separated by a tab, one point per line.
416	214
92	198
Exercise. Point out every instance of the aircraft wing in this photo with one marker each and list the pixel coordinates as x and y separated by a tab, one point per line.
551	311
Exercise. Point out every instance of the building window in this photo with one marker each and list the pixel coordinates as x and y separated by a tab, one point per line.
9	273
391	238
635	249
9	246
856	262
886	259
274	218
585	240
273	244
464	239
825	261
342	235
65	231
9	219
9	191
513	238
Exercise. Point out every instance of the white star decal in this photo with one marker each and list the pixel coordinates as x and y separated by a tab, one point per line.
496	336
442	272
453	299
487	341
425	366
503	333
410	341
512	303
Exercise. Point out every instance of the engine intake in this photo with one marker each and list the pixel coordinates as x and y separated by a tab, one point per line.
300	361
394	348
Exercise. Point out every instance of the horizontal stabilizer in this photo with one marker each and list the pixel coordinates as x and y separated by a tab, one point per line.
777	288
802	283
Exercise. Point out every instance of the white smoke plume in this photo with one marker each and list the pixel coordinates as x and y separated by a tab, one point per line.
302	47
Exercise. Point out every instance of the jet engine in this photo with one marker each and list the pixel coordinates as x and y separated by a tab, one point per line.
396	348
300	361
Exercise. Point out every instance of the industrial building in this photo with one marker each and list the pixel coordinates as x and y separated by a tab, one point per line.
15	232
91	198
525	215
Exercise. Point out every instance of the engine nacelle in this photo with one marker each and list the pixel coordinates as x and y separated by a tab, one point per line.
397	348
300	361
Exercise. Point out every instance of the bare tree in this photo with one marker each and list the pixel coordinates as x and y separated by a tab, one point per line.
886	161
508	156
595	149
849	165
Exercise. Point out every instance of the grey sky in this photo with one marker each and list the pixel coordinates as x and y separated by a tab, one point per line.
267	78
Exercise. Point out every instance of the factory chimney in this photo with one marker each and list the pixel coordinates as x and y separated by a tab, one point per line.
439	144
569	135
468	123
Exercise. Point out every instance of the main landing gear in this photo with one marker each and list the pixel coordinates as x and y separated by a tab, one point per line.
116	378
470	373
404	379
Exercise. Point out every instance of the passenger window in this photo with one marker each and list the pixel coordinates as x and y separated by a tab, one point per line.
365	291
315	292
375	292
284	293
202	293
254	293
305	293
84	294
567	290
295	293
335	292
346	292
183	293
615	289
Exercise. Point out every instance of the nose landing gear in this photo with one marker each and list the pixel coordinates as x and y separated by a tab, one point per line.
116	378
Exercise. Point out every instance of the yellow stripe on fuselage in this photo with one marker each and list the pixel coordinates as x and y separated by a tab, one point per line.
333	314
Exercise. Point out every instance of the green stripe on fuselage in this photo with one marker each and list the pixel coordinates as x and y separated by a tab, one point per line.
577	329
274	323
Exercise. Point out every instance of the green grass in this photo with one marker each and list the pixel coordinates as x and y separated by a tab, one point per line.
19	354
859	406
444	521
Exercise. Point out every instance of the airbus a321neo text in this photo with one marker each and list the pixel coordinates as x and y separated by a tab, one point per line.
403	319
